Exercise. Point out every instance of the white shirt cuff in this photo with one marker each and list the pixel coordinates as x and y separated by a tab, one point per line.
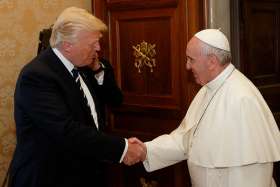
125	150
100	78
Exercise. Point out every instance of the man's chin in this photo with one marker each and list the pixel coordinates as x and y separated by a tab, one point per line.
198	81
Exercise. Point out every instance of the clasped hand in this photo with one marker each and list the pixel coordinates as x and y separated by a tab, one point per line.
136	152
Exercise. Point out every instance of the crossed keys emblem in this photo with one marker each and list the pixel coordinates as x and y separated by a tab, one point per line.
144	54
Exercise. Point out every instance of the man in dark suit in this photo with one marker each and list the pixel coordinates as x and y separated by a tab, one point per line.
59	110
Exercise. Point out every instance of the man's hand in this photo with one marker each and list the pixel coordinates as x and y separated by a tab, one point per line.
136	152
134	140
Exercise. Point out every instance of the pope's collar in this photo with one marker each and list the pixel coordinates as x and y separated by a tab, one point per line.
215	83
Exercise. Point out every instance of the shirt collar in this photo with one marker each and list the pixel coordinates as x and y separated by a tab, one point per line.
69	66
215	83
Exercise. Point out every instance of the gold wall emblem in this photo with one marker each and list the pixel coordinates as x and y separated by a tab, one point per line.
144	54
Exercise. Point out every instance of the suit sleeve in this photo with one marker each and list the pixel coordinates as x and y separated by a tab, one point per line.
40	103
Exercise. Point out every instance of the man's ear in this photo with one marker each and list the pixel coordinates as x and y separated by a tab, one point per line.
213	61
66	46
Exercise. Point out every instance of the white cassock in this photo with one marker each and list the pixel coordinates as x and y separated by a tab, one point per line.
229	136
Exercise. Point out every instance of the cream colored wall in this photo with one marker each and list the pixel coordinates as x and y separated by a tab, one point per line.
20	24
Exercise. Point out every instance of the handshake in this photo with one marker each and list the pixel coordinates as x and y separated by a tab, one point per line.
136	152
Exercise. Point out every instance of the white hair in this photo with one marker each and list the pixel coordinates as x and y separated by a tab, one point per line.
223	56
70	22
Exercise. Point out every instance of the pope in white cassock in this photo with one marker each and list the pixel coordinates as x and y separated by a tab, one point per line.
229	135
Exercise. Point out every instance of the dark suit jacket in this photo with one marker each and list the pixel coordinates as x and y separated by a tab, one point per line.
57	141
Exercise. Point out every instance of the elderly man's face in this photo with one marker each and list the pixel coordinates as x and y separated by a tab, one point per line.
85	49
196	62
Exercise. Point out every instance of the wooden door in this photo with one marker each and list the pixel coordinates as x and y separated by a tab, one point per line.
256	49
146	45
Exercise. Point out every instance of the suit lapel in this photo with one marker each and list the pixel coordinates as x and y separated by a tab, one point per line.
57	66
79	108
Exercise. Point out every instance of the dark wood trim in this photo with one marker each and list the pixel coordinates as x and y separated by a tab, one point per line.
195	20
99	9
235	32
140	4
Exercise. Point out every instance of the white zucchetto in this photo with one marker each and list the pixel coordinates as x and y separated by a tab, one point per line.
214	37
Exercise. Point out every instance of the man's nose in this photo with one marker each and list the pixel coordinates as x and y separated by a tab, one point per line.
97	47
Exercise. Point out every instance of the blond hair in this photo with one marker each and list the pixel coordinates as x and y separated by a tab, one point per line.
70	22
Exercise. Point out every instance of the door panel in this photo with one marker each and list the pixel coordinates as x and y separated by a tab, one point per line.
261	49
149	92
258	53
139	85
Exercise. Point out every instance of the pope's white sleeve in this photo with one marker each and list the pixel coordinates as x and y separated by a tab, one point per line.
166	150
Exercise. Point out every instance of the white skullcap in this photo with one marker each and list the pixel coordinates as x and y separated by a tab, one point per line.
214	37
